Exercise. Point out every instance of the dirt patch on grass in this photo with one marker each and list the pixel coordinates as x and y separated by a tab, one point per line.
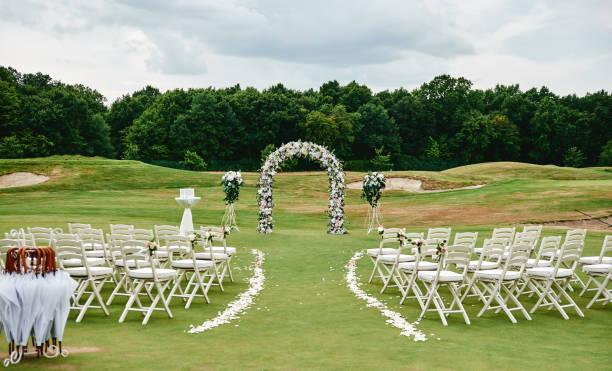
21	179
77	350
592	224
418	185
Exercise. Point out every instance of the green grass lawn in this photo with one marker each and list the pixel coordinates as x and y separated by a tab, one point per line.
306	317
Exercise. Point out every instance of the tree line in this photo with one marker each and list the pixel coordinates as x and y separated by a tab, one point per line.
443	123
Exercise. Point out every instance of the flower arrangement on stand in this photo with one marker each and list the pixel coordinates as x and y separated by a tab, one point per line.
311	151
373	184
231	182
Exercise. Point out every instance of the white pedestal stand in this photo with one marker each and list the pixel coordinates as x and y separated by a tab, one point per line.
187	221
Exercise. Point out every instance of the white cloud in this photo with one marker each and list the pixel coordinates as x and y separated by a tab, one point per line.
120	46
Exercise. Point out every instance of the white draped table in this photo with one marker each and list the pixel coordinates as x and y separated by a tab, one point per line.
187	200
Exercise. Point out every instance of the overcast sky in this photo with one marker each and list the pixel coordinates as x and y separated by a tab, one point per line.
119	46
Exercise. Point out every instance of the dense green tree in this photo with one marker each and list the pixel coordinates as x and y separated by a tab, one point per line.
442	121
374	128
334	129
125	110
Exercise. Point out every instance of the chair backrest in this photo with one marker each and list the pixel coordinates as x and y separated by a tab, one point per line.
439	234
76	227
176	244
70	250
135	254
492	250
505	233
64	237
606	247
569	255
390	236
429	248
458	256
41	236
162	231
529	237
533	228
93	239
467	239
517	258
5	245
140	234
122	229
548	249
575	235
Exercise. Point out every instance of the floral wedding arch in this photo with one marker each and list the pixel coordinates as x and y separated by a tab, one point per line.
304	150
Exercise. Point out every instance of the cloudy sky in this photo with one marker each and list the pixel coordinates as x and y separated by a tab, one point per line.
118	46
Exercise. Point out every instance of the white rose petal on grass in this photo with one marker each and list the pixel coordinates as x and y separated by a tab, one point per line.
242	303
393	318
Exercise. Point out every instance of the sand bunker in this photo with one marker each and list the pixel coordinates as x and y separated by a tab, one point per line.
21	179
409	185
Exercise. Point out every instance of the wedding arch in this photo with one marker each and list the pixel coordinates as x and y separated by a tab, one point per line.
304	150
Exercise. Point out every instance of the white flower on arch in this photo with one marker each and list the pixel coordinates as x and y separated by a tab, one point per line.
314	152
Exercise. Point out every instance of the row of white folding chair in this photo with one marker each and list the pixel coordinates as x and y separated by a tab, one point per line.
599	267
500	283
501	286
391	237
388	264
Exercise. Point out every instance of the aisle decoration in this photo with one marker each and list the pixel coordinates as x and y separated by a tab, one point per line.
373	184
393	318
311	151
231	182
244	301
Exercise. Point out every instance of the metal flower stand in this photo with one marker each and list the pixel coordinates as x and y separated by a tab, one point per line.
229	218
373	221
187	200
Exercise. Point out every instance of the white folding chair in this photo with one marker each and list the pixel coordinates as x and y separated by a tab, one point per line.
69	251
390	236
126	229
64	238
41	236
534	228
499	285
467	239
77	227
5	245
442	233
142	273
505	233
116	243
161	231
544	280
142	234
201	272
219	245
220	260
409	270
546	254
521	238
450	275
606	248
600	270
389	262
489	259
